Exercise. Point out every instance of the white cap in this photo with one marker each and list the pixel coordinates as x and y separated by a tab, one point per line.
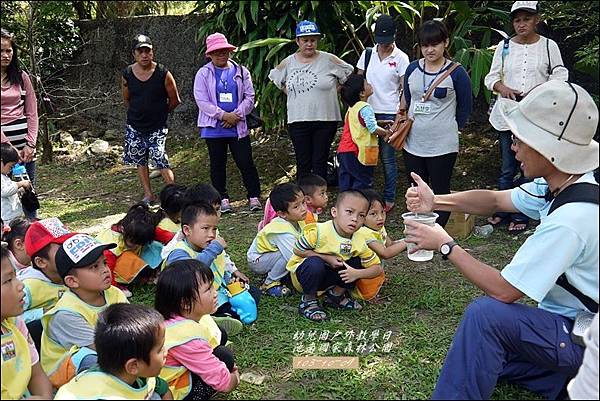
530	6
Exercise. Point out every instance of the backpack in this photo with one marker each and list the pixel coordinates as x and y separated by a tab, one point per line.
583	192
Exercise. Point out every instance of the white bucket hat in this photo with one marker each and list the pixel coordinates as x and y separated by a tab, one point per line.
558	119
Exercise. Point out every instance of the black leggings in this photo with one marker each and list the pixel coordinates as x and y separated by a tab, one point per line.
436	171
312	142
201	390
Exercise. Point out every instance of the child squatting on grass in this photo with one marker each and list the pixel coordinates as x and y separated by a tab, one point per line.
330	257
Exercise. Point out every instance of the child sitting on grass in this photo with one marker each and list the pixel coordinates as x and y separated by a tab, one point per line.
22	375
172	198
199	225
358	150
16	243
375	236
207	193
139	244
130	343
273	246
198	364
43	284
330	257
68	336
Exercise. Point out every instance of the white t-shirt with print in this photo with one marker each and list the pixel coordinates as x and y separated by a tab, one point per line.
385	77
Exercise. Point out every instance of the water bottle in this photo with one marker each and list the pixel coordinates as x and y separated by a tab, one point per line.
19	172
483	231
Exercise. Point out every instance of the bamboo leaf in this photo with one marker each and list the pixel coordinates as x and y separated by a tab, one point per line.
240	15
254	11
263	42
274	50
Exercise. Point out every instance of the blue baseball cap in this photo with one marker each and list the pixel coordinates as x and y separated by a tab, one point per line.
307	28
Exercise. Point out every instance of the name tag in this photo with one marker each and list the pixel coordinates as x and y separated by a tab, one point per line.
225	97
422	108
8	351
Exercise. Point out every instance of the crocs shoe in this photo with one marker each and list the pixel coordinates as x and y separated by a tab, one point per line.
225	206
254	204
230	325
276	289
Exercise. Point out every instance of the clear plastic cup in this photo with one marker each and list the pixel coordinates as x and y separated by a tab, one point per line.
423	218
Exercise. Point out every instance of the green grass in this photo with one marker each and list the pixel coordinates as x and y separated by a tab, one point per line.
422	302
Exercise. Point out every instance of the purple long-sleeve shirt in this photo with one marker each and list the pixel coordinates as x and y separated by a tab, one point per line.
206	97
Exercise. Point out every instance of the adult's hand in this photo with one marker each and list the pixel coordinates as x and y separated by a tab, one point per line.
419	199
507	92
230	118
27	154
424	236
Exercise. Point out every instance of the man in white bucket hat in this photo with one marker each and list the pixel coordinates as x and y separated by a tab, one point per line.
499	339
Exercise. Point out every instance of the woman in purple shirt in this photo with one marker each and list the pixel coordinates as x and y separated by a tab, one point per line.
224	98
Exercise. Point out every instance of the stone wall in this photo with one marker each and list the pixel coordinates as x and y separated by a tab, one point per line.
107	51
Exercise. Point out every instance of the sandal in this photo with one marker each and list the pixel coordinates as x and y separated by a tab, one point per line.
312	310
276	289
516	230
341	301
497	221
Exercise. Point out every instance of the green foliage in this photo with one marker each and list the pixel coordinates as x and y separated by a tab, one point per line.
45	28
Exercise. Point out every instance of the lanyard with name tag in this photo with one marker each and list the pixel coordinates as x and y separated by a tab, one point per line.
422	108
225	97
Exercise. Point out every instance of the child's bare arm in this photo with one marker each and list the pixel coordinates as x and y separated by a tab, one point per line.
39	384
168	395
387	252
350	274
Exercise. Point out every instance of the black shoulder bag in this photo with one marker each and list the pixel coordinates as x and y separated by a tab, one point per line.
253	119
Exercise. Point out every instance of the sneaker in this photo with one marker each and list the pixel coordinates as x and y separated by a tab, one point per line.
254	204
125	290
229	325
225	206
276	289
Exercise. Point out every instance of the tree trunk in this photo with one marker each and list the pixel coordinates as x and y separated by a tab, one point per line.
82	11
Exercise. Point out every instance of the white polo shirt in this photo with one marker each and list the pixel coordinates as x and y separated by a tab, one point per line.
385	77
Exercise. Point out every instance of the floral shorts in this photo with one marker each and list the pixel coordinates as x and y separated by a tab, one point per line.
140	148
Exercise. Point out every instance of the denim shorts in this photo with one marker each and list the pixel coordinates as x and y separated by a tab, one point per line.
140	148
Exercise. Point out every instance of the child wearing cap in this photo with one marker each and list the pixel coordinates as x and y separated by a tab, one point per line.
11	204
130	341
22	375
43	284
68	336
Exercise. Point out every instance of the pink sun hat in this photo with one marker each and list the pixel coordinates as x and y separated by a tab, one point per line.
217	41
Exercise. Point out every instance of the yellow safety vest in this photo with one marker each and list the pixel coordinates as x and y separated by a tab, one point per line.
168	225
275	227
370	234
217	266
53	355
366	142
178	333
16	361
323	238
43	293
93	384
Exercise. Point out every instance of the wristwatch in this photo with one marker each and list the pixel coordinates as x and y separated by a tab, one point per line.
446	248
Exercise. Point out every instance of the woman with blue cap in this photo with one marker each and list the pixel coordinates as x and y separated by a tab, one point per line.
310	79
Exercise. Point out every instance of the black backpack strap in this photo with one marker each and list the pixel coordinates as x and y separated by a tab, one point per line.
588	302
368	53
584	192
581	192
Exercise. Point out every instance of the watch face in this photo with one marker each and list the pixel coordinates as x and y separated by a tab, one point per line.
445	249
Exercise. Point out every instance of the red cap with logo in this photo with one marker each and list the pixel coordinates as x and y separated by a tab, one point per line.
45	232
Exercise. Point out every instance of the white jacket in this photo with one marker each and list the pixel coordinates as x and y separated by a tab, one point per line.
11	204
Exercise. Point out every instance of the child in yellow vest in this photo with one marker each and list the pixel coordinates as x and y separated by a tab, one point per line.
130	343
68	336
198	364
273	246
358	149
199	225
329	256
376	237
172	199
43	284
315	194
22	375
